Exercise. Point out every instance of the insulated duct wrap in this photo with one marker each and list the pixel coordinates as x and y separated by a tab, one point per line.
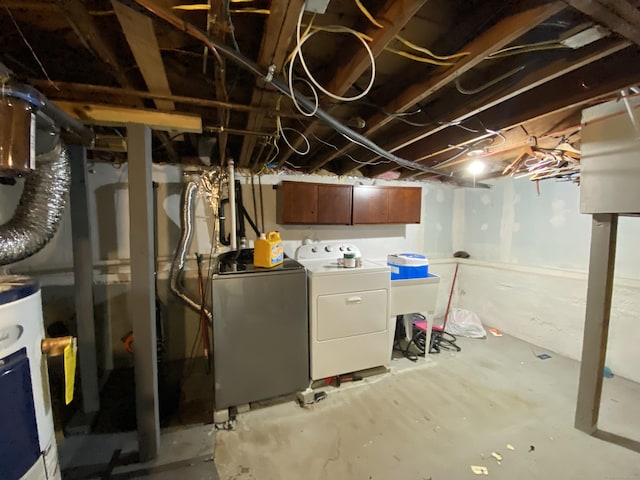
40	209
189	195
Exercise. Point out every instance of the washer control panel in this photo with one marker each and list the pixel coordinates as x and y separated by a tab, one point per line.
326	251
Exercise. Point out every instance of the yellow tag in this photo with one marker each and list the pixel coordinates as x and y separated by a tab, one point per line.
70	353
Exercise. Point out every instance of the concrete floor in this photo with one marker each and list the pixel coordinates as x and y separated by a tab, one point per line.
428	420
436	419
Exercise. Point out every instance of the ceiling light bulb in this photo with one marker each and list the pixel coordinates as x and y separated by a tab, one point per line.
476	167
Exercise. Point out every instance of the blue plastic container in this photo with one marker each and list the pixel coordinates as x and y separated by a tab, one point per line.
405	266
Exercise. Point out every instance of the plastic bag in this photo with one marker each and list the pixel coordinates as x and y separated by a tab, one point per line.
464	323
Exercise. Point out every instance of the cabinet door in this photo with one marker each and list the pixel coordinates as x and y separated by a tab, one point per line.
370	204
404	204
298	203
334	204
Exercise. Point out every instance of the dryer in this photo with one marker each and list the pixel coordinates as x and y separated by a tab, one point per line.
348	310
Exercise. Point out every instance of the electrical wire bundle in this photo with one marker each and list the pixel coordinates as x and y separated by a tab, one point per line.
250	66
314	85
541	163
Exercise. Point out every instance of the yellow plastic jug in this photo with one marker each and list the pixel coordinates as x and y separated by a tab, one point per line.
268	250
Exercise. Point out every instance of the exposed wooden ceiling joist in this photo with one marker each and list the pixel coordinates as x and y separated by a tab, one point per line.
498	36
279	30
411	111
68	91
96	114
619	15
448	111
84	24
141	37
577	88
394	15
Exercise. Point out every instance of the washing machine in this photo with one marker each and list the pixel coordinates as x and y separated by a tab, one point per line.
27	437
348	310
260	329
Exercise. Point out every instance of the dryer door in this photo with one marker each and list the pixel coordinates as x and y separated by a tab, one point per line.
350	314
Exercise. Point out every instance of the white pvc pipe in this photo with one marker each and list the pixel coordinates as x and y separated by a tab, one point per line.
232	204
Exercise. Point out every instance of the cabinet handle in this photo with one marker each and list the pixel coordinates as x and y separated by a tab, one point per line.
354	300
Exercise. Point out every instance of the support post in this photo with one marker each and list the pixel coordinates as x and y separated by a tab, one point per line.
596	328
142	293
83	278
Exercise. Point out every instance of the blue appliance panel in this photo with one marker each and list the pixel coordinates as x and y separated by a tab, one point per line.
19	444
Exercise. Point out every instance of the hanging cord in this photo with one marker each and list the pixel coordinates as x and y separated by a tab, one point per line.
434	58
281	130
261	205
33	52
366	13
297	53
420	49
472	91
252	67
253	197
530	47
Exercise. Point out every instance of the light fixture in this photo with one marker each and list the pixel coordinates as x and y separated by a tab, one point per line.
476	152
476	167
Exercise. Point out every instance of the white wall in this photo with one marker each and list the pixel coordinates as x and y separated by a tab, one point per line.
526	275
431	237
527	272
109	204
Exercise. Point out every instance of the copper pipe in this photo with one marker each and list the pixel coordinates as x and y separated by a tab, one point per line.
202	102
54	347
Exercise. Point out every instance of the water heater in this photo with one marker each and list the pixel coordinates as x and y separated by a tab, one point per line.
27	438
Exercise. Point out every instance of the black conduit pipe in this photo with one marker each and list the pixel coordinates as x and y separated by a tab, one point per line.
268	77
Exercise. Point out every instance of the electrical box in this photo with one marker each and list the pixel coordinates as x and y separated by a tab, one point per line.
610	158
316	6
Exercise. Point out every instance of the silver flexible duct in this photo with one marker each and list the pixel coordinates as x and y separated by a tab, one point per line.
40	209
188	213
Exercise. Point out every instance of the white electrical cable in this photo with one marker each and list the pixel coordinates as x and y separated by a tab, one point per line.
316	101
297	52
281	134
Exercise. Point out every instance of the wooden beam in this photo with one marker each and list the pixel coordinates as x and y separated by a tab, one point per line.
28	5
96	114
582	87
141	37
625	9
278	32
496	37
394	15
351	65
84	24
70	89
619	16
447	111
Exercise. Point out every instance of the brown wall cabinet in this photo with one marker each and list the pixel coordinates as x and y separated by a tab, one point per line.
328	204
314	204
374	205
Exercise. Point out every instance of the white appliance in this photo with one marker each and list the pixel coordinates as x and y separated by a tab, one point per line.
27	438
348	310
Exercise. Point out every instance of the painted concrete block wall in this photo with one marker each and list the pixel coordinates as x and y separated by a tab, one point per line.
527	273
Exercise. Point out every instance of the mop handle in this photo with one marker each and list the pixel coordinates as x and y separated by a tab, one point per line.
455	274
